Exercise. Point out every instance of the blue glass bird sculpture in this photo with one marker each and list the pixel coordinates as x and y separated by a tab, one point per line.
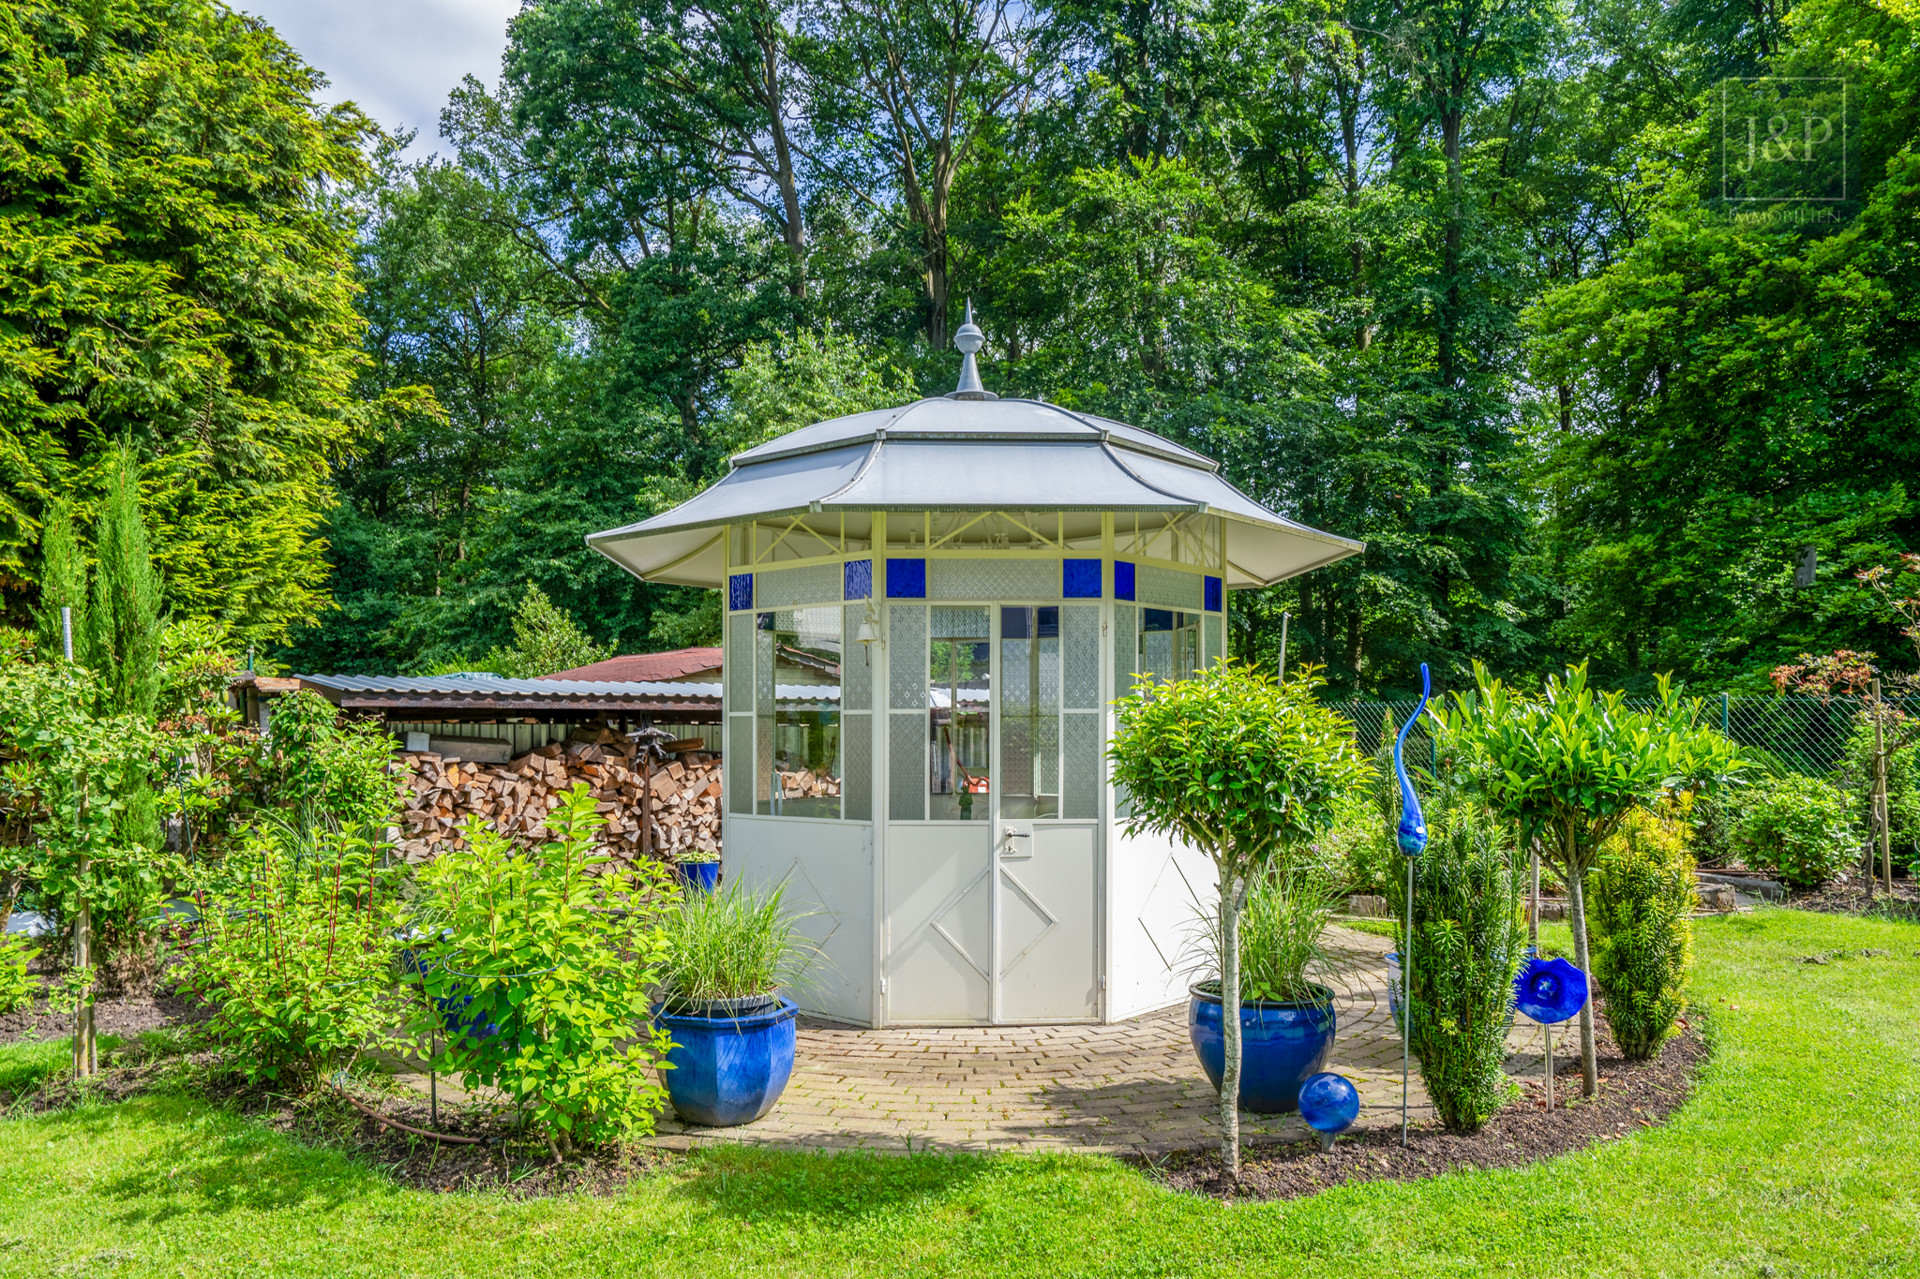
1413	823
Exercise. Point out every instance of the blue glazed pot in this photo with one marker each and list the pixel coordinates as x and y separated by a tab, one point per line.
728	1069
1281	1046
699	877
453	1008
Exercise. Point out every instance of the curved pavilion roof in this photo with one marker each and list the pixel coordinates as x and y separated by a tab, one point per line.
967	451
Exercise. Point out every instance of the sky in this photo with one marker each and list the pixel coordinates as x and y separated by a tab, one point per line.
397	58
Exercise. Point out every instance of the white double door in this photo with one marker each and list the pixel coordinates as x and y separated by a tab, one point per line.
997	920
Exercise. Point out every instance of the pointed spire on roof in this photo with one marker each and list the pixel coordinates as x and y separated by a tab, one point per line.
970	339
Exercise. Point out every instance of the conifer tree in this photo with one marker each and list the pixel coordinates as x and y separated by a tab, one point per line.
122	639
63	584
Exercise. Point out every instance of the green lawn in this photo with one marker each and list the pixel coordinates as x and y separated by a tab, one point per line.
1796	1157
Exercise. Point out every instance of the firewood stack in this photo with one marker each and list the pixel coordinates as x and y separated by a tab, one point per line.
515	797
803	784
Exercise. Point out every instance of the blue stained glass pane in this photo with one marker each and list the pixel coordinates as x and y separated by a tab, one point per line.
1213	595
859	579
1080	579
906	579
740	591
1122	580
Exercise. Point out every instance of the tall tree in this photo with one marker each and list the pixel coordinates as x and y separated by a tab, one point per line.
177	272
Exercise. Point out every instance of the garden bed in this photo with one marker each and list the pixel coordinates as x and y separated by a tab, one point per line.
1633	1096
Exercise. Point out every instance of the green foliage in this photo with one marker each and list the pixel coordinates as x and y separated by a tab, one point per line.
1643	900
18	987
177	274
1244	769
294	948
1800	829
806	379
121	636
325	770
1468	942
79	766
560	948
731	944
545	640
63	584
1286	915
1566	768
1855	776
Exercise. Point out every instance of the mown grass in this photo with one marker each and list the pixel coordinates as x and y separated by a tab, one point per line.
1794	1158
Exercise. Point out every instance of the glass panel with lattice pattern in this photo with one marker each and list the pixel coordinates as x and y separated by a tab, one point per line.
907	767
1215	647
1080	656
1156	585
907	657
1030	711
959	714
856	781
739	662
802	723
993	579
1126	638
814	584
740	763
856	681
1080	751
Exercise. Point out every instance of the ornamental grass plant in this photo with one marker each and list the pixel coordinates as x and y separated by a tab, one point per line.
1281	930
732	944
1643	900
1469	938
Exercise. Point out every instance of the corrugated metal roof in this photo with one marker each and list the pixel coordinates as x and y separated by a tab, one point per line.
497	686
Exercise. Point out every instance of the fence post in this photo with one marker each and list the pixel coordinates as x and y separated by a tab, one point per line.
1883	828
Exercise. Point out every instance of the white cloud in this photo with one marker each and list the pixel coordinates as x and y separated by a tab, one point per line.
397	58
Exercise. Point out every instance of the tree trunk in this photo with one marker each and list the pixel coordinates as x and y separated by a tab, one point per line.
1233	895
86	1055
1577	916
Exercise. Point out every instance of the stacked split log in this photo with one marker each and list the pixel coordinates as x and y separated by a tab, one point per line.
804	784
515	798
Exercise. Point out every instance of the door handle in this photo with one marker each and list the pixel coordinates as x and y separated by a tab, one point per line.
1008	848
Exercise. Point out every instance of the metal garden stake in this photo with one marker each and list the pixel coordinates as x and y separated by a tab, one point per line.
1412	837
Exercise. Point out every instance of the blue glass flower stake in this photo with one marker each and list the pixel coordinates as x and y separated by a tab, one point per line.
1412	837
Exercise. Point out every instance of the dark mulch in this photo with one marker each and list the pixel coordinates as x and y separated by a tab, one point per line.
123	1015
1850	898
1633	1096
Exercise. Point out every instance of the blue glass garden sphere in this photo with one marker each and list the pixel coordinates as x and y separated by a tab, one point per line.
1329	1103
1550	990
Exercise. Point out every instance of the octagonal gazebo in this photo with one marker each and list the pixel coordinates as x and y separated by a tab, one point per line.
928	610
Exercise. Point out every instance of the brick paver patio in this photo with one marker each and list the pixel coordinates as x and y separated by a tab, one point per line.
1133	1086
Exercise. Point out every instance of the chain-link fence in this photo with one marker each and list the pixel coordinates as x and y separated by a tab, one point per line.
1802	734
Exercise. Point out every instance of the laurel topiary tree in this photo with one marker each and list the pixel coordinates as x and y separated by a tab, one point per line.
1248	771
1568	767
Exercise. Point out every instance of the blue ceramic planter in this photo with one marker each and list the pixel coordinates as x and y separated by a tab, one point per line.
1281	1046
728	1070
453	1008
699	877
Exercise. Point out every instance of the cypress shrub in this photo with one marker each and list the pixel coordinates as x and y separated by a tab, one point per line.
1469	939
1643	899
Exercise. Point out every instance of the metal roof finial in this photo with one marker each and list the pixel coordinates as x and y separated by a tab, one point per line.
970	339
